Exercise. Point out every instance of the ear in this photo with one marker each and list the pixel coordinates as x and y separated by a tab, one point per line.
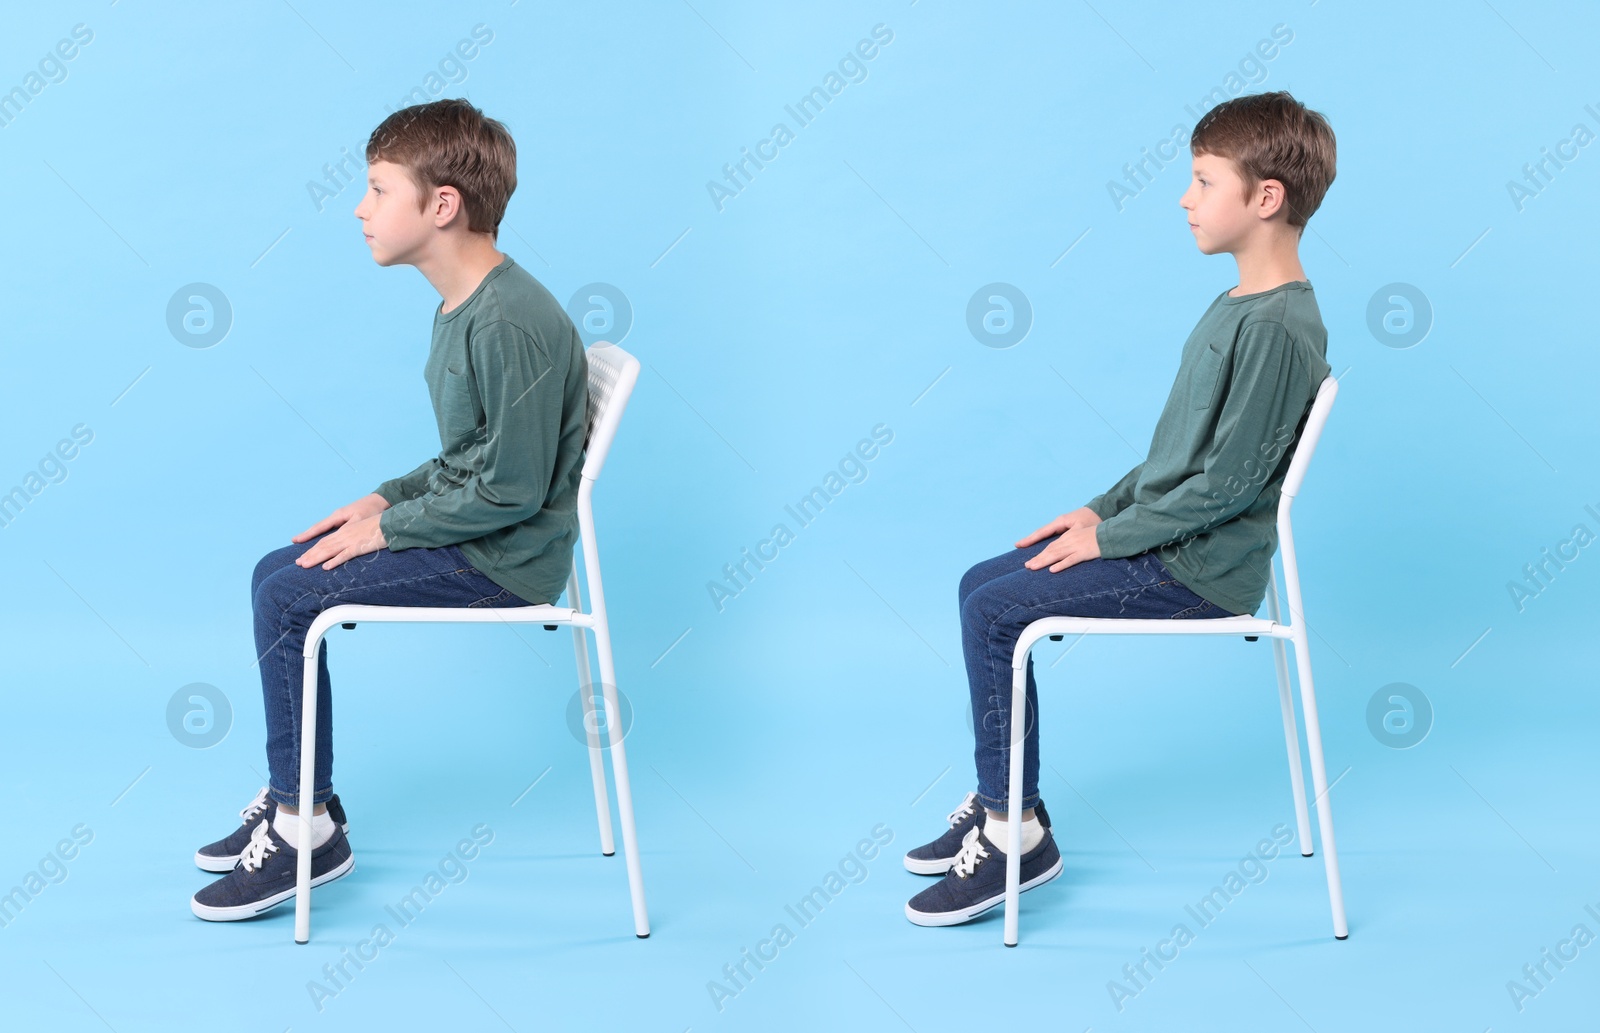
1270	198
446	206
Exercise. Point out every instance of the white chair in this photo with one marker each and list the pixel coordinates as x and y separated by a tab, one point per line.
1252	628
612	375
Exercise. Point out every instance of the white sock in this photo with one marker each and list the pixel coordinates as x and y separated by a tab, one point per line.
288	826
998	831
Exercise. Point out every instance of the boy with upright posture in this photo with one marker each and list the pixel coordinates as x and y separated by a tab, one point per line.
490	521
1187	534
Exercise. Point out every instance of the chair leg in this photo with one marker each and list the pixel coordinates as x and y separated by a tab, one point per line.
1019	730
597	766
1291	730
619	772
308	773
1319	781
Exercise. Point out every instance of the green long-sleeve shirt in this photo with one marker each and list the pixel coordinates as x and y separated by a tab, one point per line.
1206	498
509	382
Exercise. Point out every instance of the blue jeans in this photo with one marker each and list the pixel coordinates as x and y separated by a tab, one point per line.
287	598
999	597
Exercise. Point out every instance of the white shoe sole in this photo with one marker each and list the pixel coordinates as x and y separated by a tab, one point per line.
207	863
242	911
970	912
938	867
224	865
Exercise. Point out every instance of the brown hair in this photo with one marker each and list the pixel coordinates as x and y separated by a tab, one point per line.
451	143
1272	136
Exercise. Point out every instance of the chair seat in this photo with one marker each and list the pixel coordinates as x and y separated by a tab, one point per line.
1243	624
352	613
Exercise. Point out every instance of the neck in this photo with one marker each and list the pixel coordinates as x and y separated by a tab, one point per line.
1268	261
458	265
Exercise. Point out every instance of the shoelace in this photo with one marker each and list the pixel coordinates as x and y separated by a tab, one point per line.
254	807
961	813
255	853
972	854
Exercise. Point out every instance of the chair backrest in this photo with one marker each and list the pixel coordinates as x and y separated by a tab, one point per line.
1320	407
1286	558
612	374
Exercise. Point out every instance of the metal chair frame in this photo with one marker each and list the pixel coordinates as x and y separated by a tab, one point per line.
612	376
1252	628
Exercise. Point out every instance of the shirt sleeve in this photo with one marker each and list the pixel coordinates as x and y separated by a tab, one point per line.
1265	401
521	392
408	486
1118	497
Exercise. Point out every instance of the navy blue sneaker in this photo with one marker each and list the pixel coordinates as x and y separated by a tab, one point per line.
936	858
265	876
976	881
222	855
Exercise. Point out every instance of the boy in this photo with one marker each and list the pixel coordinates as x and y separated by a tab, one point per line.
1206	498
490	521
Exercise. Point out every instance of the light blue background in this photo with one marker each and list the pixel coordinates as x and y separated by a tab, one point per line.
827	697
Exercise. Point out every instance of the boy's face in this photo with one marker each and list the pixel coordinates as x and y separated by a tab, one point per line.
1220	215
391	217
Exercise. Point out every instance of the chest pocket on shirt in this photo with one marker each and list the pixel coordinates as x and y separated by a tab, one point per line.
1207	375
458	417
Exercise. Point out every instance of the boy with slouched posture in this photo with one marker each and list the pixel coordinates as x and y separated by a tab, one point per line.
1205	499
490	521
